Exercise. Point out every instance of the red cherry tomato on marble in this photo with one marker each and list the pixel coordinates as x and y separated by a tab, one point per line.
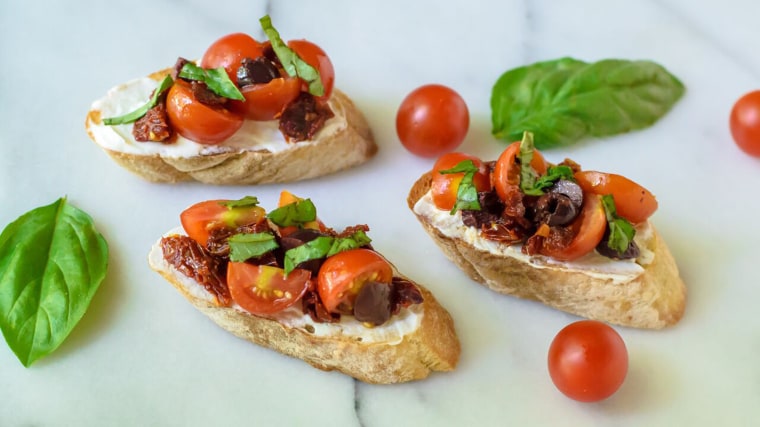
432	120
199	122
588	361
745	123
229	51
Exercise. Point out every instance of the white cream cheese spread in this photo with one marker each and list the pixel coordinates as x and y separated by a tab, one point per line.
252	136
591	264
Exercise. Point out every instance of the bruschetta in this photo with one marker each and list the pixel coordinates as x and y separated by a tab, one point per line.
246	113
578	241
283	280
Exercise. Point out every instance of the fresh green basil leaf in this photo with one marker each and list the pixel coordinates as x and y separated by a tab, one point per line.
291	62
216	79
528	175
323	246
297	213
52	261
467	194
621	231
355	241
132	117
245	202
313	249
244	246
565	100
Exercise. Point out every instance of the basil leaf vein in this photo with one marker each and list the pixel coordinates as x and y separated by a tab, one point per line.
291	62
564	100
52	261
216	79
132	117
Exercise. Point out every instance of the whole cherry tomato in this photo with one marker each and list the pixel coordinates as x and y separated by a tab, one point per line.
444	187
229	51
588	361
432	120
745	123
343	275
632	201
263	289
199	122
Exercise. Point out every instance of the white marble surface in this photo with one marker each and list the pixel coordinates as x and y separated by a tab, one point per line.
143	356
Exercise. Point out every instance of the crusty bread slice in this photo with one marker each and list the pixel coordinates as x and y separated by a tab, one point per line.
432	346
351	145
655	298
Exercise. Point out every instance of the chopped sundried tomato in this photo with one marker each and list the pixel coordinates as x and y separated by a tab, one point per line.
404	294
154	125
304	117
189	258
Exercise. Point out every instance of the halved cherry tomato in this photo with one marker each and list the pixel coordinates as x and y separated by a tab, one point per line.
263	289
200	218
317	58
265	101
343	275
433	119
588	229
506	172
588	361
444	187
199	122
632	201
229	51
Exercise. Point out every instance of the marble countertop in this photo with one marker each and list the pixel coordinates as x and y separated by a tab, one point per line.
143	356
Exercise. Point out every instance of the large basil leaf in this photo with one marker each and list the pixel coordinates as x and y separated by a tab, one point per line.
52	260
564	100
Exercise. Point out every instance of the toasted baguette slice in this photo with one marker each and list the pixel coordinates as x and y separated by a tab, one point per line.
390	353
344	142
654	297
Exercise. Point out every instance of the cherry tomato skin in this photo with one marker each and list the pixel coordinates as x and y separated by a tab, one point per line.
506	172
317	58
265	101
632	201
589	229
342	275
745	123
229	51
444	187
263	289
432	120
199	122
198	219
588	361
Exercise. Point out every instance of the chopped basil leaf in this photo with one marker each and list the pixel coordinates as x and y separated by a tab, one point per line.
244	246
245	202
216	79
621	231
291	62
553	174
52	262
297	213
528	175
132	117
467	194
323	246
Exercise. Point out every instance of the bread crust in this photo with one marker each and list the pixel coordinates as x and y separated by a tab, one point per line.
433	346
654	299
348	147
